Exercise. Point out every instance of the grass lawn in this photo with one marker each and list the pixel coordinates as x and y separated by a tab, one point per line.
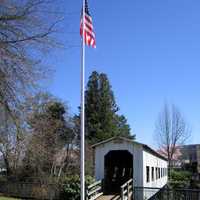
8	198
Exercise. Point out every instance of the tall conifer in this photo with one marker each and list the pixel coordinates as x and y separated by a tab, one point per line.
102	120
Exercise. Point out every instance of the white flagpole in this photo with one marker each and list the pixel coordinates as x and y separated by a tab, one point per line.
83	107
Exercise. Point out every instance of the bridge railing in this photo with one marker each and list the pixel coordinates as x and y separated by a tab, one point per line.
147	193
127	190
94	190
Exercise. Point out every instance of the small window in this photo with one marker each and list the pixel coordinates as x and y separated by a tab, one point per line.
158	172
147	174
152	173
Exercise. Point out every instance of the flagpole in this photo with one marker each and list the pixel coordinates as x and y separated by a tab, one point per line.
83	107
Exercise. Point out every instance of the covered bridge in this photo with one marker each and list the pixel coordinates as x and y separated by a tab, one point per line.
119	159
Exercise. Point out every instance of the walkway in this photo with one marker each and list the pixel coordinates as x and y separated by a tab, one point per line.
109	197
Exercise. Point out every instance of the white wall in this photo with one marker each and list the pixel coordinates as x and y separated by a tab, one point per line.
102	150
138	165
134	148
141	159
153	161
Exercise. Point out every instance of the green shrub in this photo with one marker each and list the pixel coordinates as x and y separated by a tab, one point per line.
71	187
180	179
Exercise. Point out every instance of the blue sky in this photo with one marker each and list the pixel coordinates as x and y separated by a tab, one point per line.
150	51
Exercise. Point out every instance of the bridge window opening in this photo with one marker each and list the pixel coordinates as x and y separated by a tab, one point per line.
123	173
156	173
152	173
147	174
118	167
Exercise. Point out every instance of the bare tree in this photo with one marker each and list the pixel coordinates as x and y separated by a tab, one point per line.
25	34
27	30
12	141
171	131
50	147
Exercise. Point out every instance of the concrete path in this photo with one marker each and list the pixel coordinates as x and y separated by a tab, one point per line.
109	197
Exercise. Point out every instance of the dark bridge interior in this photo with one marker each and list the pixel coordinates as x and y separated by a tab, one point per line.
118	170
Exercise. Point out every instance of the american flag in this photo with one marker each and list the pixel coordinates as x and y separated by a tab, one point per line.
89	35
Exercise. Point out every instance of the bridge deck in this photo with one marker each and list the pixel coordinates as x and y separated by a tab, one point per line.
109	197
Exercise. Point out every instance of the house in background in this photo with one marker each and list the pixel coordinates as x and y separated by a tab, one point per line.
186	157
190	159
176	162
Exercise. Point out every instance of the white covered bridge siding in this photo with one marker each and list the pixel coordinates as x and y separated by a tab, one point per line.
118	159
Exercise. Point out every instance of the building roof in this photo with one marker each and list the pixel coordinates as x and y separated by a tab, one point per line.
145	147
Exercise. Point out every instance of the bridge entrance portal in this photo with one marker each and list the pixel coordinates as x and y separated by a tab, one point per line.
118	170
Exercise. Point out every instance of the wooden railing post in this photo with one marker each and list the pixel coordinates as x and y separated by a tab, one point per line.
122	193
128	190
133	190
94	191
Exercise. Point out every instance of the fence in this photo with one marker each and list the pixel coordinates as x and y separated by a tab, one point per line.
44	191
94	191
28	190
127	190
145	193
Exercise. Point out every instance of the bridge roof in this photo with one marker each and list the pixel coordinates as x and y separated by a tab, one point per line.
145	147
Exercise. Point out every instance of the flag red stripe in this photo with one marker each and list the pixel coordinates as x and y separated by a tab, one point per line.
88	18
89	26
89	35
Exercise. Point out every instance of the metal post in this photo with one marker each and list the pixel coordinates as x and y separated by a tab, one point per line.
83	108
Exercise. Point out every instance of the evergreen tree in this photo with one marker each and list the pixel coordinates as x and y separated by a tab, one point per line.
92	106
107	109
123	127
102	120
